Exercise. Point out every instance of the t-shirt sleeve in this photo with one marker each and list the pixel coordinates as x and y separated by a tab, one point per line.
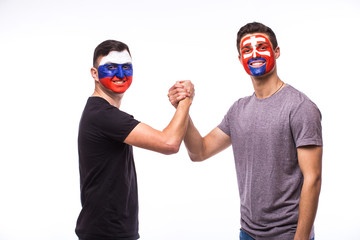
306	124
117	124
225	123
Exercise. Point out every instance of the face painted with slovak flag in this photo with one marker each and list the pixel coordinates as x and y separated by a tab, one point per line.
257	54
116	71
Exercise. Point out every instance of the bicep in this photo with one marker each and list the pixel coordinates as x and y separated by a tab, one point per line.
144	136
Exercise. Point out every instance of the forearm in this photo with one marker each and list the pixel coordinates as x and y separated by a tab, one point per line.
307	207
193	142
175	131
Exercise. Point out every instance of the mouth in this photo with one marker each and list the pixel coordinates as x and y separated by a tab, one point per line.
257	63
118	81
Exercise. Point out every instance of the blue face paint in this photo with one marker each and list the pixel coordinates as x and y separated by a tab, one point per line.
116	77
257	71
111	70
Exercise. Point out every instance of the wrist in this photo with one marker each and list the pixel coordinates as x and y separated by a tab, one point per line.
186	102
301	236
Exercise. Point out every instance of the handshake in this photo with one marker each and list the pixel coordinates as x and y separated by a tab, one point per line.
181	90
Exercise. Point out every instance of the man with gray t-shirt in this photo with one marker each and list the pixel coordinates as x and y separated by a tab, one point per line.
277	143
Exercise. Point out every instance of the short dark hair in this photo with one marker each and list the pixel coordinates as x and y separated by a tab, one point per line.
104	48
255	27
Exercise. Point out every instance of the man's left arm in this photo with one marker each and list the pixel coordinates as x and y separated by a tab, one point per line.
310	162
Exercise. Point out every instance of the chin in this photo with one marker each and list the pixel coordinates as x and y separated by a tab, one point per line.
256	72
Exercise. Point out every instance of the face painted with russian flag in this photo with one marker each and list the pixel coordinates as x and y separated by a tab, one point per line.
116	71
257	54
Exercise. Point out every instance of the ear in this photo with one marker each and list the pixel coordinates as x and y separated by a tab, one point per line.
94	73
241	60
277	52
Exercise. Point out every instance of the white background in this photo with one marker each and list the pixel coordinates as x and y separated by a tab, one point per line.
46	50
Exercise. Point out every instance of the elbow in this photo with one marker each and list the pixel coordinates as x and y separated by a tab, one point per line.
195	158
318	183
317	180
314	182
317	186
171	148
174	149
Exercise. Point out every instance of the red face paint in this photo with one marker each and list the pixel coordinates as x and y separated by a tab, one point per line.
116	84
116	71
257	54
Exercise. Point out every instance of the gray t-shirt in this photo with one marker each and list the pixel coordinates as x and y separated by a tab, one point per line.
265	134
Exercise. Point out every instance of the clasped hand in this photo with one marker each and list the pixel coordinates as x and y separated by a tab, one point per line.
181	90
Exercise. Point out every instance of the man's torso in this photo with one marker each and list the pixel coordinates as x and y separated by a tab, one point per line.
107	174
265	152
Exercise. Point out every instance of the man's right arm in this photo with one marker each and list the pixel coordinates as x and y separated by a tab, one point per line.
168	140
199	148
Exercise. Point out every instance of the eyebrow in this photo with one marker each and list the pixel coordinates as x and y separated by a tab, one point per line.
257	45
247	46
263	43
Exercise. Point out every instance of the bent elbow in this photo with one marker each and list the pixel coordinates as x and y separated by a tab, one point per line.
171	149
196	158
174	149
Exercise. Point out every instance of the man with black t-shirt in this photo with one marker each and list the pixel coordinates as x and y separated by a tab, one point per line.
108	183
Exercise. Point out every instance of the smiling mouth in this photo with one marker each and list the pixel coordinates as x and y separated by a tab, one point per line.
256	64
118	82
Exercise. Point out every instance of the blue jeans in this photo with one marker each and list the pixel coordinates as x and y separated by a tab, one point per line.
245	236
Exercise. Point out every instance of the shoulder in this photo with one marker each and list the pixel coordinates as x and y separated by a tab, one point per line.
297	99
295	95
99	110
301	106
238	104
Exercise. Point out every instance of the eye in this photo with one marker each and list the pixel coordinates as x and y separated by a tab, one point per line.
263	46
246	50
126	66
111	67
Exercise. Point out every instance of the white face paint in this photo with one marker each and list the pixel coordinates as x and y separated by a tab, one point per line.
116	57
253	41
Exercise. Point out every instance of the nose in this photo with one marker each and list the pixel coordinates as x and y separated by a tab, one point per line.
120	72
255	54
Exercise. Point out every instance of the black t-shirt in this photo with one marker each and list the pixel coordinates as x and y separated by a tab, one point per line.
108	182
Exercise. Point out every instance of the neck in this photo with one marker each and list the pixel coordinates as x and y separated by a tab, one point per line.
113	98
268	85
